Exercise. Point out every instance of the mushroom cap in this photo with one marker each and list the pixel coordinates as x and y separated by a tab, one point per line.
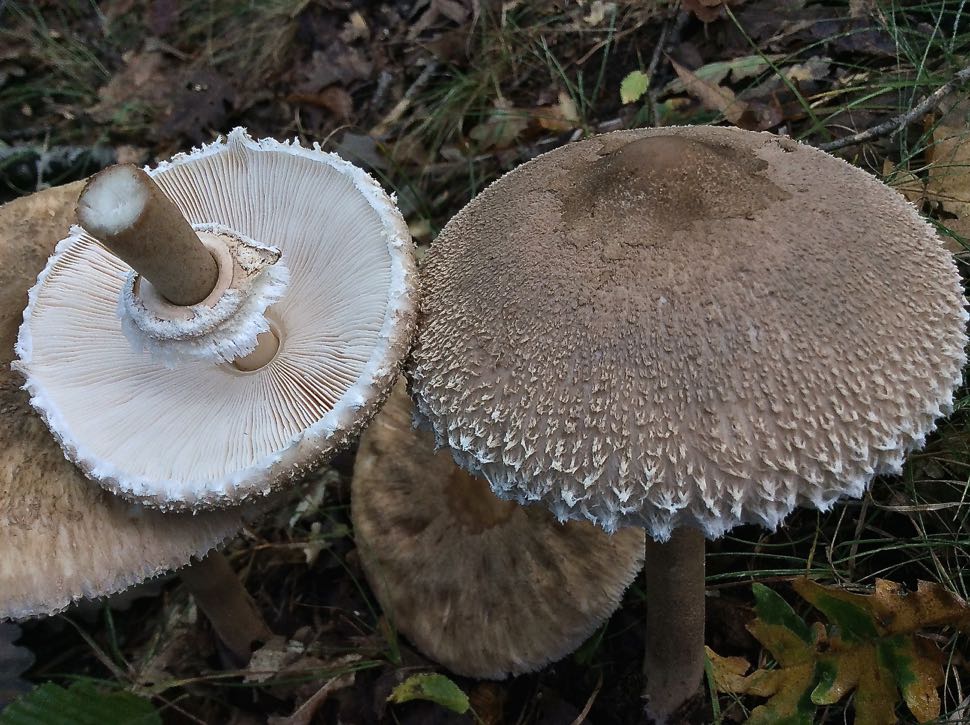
62	537
204	434
484	586
686	326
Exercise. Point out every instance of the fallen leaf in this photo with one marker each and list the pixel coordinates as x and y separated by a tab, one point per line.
872	647
752	115
561	116
712	96
81	702
501	128
448	9
598	10
142	80
931	605
337	64
738	69
198	106
904	181
813	69
333	98
634	86
272	657
433	687
356	28
706	10
948	179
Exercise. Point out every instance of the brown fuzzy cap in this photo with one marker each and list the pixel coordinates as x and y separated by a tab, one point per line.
484	586
62	537
686	326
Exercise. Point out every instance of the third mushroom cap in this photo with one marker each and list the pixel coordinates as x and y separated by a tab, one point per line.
486	587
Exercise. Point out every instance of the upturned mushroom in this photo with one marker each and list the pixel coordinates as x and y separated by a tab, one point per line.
227	377
486	587
63	538
686	329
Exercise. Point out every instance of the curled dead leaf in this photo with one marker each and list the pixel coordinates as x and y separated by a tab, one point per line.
707	10
751	115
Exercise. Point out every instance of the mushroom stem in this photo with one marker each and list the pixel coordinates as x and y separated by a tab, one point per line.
124	209
674	661
219	593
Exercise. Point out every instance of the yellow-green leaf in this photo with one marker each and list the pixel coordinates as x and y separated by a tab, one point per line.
634	86
917	666
852	613
931	605
772	609
787	689
434	688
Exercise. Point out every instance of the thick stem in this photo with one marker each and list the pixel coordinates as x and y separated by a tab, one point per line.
674	662
124	209
219	593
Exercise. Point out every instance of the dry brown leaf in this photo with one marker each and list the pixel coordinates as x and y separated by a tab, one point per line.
144	79
712	96
904	181
707	10
501	128
948	182
561	117
598	11
754	115
929	606
949	171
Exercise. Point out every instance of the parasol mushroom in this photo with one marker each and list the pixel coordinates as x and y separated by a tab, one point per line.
208	397
62	537
486	587
686	329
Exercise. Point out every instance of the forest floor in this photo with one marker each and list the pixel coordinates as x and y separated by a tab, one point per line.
436	98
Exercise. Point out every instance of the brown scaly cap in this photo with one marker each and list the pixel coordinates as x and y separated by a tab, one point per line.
62	537
485	587
686	326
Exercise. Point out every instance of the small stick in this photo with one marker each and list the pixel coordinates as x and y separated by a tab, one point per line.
897	123
218	592
124	209
669	36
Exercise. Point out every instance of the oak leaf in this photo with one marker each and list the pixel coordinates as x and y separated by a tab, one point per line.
872	646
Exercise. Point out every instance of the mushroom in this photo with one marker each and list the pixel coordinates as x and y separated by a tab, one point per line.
205	432
62	537
486	587
685	329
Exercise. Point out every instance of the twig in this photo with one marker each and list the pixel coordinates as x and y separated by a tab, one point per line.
581	718
669	36
401	106
897	123
672	30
